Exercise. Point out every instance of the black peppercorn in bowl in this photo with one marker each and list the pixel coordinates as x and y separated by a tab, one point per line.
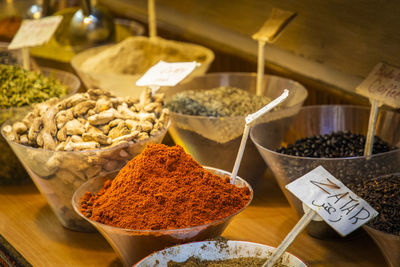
12	172
214	140
383	194
331	136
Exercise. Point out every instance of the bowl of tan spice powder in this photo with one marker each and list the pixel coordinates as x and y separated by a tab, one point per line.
117	67
161	198
218	254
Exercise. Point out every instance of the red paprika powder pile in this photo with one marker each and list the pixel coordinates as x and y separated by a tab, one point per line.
164	188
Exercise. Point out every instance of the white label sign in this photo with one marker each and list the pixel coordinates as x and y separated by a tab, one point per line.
332	200
167	74
382	84
35	32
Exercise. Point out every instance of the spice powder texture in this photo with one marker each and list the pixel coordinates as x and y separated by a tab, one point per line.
164	188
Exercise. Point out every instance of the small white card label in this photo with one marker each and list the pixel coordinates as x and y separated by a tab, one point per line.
35	32
167	74
343	210
382	84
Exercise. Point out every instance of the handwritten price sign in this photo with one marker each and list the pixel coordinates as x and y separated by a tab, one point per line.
382	84
167	74
332	200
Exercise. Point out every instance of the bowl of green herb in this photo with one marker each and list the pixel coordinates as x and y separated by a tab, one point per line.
19	90
208	116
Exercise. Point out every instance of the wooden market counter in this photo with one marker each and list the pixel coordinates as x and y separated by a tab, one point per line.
29	225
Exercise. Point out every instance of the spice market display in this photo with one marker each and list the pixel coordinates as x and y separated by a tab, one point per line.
98	171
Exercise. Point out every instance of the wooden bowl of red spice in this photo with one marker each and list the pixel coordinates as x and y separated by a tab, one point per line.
162	197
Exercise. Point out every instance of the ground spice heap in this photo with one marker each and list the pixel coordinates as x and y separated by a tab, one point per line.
164	188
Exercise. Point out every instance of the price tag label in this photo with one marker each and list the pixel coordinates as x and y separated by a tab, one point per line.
332	200
167	74
35	32
382	84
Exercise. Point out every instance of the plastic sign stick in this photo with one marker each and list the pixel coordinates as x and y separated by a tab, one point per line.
250	119
299	227
269	32
166	74
382	86
152	19
33	33
329	198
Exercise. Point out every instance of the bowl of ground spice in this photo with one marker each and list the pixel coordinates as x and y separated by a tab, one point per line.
162	197
117	67
383	194
332	137
208	116
19	90
218	254
64	142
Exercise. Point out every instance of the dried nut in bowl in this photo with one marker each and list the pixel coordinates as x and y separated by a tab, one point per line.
62	143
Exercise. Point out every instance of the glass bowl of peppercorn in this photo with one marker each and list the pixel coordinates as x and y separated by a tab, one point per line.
131	245
383	194
20	89
218	253
208	116
332	136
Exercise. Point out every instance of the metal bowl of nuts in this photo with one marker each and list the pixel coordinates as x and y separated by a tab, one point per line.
209	121
17	102
64	142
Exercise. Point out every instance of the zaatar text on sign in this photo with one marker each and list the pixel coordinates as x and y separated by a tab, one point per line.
382	84
332	200
35	32
167	74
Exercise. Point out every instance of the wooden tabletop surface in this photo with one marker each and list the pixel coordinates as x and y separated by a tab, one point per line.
28	223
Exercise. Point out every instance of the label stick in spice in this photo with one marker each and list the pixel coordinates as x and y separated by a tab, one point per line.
382	86
326	196
250	119
33	33
166	74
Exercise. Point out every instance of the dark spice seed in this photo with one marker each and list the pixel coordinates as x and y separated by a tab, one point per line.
334	145
383	194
